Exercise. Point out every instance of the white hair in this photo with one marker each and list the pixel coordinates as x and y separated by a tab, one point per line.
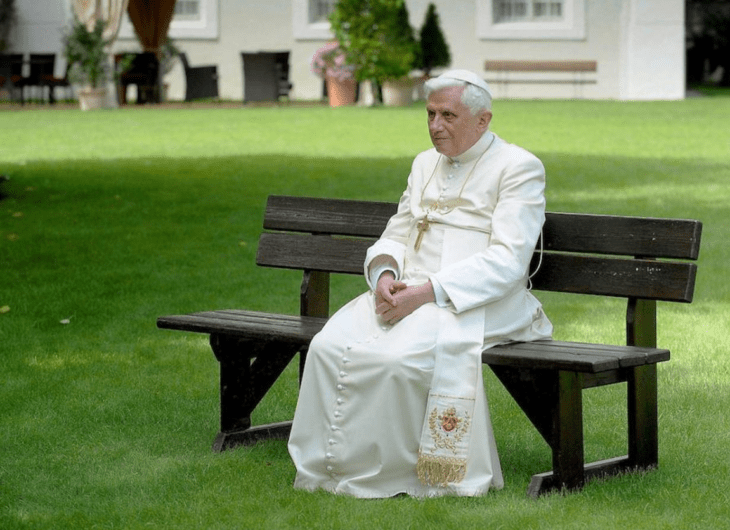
475	98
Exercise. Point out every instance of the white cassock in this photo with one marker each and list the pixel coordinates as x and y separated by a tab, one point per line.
361	421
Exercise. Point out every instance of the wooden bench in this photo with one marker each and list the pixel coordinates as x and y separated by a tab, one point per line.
576	73
587	254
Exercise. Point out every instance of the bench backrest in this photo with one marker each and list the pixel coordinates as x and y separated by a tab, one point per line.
541	66
642	259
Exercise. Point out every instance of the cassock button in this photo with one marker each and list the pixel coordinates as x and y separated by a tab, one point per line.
340	401
330	468
331	441
343	373
340	387
329	456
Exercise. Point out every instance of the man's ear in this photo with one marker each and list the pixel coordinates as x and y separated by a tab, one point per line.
483	122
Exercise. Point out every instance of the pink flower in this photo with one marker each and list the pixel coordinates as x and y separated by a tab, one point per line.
330	61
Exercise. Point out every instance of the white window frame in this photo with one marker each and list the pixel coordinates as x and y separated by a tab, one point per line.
572	26
205	28
303	29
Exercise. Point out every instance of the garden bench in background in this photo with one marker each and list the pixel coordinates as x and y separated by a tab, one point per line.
576	73
641	259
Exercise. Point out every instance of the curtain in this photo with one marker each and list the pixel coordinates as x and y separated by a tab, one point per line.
151	20
89	11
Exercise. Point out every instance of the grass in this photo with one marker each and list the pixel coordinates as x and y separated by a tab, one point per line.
111	219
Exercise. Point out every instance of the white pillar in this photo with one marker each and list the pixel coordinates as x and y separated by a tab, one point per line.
652	50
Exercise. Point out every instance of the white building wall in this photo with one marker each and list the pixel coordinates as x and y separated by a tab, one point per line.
652	50
40	29
638	44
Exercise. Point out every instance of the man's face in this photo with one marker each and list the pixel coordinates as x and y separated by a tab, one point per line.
452	126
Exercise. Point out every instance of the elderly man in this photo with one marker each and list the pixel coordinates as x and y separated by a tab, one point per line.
392	398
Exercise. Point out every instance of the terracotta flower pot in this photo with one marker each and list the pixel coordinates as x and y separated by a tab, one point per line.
341	91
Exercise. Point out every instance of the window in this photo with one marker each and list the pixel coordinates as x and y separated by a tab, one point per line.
311	19
319	10
531	19
186	10
513	10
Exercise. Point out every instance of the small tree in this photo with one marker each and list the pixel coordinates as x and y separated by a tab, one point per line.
86	54
376	38
434	50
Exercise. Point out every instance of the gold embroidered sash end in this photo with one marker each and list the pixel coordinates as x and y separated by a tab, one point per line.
440	470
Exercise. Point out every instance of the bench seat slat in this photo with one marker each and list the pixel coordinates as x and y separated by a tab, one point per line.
247	324
573	356
589	358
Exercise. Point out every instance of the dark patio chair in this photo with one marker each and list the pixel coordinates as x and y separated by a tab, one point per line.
53	82
144	73
201	82
42	66
11	70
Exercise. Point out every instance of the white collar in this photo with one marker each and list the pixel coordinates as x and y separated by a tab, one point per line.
475	151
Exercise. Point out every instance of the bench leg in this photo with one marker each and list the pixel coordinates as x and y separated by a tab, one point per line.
553	401
248	369
643	419
567	439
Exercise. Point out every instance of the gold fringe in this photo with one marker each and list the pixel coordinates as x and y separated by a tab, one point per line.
440	470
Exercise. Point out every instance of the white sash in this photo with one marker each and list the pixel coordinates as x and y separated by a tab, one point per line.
442	456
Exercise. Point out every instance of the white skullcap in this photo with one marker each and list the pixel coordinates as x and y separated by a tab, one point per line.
469	77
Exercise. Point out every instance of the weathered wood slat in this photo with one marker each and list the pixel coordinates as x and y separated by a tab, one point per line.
627	236
574	356
652	280
247	324
331	216
321	253
564	232
554	355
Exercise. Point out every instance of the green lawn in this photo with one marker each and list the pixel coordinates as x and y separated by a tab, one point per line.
112	218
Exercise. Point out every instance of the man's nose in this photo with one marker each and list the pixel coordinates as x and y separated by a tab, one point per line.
435	124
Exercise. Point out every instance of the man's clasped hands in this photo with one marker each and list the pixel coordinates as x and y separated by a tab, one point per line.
394	300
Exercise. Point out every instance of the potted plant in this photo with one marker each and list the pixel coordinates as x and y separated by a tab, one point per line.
87	58
377	40
434	50
329	62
